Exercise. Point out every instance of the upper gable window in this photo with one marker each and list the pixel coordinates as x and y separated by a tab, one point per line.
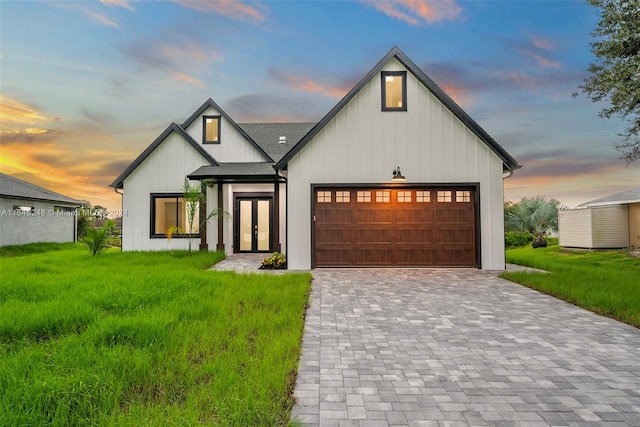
211	129
394	91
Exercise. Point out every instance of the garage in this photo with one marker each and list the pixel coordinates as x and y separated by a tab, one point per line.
395	227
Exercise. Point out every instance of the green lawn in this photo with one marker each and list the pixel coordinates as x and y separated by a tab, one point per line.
144	339
605	282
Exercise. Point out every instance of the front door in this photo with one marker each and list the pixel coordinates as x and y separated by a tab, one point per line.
252	224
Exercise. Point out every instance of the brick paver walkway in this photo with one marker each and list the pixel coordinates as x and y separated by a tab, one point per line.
436	347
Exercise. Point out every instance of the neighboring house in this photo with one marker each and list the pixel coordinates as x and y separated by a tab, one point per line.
610	222
29	214
333	193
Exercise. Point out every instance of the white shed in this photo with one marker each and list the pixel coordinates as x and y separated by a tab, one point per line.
596	227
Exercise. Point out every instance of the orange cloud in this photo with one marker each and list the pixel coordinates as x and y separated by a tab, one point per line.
458	94
103	19
187	79
306	84
13	112
413	12
119	3
232	8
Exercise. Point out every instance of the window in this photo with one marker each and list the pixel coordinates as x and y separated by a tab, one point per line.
404	196
364	196
383	196
444	196
394	91
211	129
463	196
25	209
324	197
423	196
169	211
343	196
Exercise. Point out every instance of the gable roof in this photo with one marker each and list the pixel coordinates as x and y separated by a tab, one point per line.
18	189
628	196
117	183
209	103
267	136
508	162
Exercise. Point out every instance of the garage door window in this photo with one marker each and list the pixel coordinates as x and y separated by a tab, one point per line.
423	196
444	196
383	196
364	196
463	196
324	196
404	196
343	196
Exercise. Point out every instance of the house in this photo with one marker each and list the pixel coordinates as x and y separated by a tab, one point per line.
30	214
396	174
609	222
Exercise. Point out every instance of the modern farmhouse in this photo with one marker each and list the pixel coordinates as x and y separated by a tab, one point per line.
396	174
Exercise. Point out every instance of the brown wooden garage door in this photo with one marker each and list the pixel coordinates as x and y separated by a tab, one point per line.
394	227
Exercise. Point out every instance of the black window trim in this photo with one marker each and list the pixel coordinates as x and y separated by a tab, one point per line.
204	128
152	217
403	74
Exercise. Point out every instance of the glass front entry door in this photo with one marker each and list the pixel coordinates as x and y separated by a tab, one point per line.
253	225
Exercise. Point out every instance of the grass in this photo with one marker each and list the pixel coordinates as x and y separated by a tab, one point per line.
605	282
130	339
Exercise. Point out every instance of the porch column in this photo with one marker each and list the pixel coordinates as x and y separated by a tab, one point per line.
277	247
220	218
202	216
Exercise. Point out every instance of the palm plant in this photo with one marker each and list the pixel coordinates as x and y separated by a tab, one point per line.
537	215
194	197
97	239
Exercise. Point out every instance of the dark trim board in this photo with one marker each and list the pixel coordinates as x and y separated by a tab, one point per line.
474	186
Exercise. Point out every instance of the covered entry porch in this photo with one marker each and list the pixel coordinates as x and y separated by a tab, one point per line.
252	200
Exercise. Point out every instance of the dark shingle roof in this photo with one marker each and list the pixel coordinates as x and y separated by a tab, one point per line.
18	189
628	196
267	135
235	171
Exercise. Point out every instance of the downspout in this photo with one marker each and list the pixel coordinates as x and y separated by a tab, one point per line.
121	216
286	208
508	175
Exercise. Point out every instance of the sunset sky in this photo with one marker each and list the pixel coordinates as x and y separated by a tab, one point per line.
86	86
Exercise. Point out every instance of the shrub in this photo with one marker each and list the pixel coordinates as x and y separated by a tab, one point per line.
97	239
516	239
276	261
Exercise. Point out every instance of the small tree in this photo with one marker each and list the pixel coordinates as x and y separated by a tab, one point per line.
615	75
193	198
97	239
537	215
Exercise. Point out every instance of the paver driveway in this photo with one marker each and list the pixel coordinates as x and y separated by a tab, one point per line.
439	347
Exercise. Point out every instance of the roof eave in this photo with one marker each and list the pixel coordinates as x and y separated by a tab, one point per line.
509	163
173	127
210	103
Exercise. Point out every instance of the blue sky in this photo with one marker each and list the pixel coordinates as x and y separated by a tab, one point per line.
86	86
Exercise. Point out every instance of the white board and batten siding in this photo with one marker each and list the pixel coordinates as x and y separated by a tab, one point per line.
594	227
363	144
163	171
233	146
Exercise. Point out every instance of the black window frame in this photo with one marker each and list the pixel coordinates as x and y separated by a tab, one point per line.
204	129
152	218
383	76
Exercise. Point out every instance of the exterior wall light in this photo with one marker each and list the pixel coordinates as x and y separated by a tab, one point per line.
397	175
